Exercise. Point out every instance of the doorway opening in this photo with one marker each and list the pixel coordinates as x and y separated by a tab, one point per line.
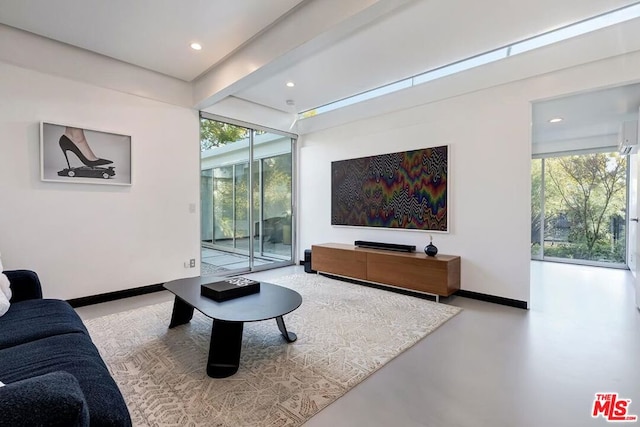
583	178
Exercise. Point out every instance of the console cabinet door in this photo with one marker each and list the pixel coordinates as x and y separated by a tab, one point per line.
409	272
342	262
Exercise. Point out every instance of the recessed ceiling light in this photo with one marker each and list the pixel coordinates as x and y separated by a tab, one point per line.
290	84
196	46
556	120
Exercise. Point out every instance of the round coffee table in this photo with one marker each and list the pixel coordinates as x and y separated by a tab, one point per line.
229	316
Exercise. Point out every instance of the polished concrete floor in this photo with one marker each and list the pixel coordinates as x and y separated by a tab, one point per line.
499	366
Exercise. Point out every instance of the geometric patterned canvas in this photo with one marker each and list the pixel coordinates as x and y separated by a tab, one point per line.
397	190
344	335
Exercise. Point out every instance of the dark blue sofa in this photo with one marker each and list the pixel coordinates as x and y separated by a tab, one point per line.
52	371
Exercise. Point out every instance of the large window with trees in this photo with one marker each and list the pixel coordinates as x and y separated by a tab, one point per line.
246	197
579	208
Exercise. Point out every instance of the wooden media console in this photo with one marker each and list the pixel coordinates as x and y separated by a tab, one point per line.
439	275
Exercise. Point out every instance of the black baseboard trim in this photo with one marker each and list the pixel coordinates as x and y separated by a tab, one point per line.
462	293
492	298
112	296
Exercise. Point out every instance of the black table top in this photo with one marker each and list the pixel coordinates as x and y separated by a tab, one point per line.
272	301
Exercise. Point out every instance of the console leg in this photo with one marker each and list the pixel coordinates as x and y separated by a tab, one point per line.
224	349
182	313
289	336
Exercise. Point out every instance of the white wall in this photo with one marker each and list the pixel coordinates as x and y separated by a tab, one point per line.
85	239
489	136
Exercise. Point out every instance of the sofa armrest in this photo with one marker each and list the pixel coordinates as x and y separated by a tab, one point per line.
25	285
53	399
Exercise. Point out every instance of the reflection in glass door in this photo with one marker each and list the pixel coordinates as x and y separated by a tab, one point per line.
274	210
241	207
277	205
247	221
222	199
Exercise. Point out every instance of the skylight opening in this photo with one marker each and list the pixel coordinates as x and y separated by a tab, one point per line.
573	30
374	93
460	66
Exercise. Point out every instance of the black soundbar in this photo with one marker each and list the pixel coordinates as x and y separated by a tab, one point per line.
385	246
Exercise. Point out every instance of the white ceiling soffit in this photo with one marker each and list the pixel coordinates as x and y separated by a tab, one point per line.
585	115
149	33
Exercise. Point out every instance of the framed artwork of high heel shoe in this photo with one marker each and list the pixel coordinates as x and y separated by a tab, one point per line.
80	155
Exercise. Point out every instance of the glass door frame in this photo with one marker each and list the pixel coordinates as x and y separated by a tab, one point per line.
293	208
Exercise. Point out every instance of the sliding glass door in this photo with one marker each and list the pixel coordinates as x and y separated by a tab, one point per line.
246	198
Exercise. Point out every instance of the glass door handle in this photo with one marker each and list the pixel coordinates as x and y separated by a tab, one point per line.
634	219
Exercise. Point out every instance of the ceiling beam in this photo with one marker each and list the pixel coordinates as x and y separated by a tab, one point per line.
309	28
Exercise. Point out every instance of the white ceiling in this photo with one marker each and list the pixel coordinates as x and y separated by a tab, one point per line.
377	42
153	34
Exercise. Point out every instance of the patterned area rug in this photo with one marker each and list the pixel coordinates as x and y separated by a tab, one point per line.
345	333
207	269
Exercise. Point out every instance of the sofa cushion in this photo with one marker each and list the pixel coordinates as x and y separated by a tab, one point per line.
38	318
53	399
25	284
75	354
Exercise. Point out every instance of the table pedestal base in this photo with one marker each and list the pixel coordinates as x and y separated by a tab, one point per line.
226	340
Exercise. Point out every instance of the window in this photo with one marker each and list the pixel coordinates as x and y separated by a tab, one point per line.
578	208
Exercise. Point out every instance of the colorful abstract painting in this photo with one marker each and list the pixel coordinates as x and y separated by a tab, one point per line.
397	190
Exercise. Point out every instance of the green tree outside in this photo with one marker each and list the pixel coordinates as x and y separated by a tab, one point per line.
216	134
585	203
536	206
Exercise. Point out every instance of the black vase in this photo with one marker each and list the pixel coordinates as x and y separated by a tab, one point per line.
430	250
